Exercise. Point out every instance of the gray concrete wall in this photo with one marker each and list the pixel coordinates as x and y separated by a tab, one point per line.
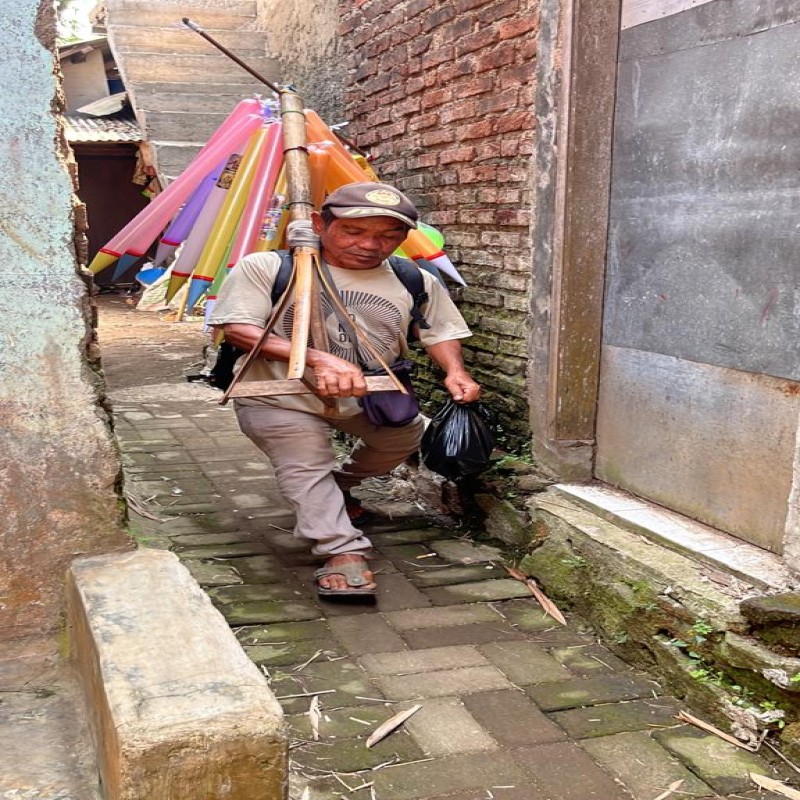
303	37
58	465
699	395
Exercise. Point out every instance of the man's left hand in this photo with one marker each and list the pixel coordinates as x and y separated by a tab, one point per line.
462	388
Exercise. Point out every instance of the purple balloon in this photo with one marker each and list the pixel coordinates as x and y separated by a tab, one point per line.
187	216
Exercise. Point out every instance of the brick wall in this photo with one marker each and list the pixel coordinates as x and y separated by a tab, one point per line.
442	96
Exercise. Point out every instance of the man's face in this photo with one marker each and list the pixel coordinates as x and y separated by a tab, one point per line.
359	243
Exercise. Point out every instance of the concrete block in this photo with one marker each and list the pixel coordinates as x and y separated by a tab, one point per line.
525	663
443	727
416	618
643	765
443	683
177	710
512	718
436	658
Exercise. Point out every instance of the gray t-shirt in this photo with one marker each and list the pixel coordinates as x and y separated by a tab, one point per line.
375	298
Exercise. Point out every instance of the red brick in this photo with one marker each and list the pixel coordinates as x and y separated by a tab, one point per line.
444	14
499	101
423	161
468	5
457	154
477	85
476	41
516	121
459	28
477	174
410	105
433	58
432	138
476	216
527	48
436	98
419	45
418	6
405	32
477	130
508	195
498	11
517	75
511	216
516	27
487	150
422	121
457	111
366	69
443	217
509	148
502	55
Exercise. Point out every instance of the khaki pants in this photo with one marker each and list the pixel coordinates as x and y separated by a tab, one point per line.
300	448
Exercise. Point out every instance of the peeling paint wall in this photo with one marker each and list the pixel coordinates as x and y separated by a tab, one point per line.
58	466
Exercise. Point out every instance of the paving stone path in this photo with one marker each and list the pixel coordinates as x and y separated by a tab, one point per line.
514	706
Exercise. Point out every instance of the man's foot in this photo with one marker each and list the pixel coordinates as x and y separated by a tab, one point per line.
346	575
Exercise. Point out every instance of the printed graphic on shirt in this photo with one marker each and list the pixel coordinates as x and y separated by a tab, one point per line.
376	316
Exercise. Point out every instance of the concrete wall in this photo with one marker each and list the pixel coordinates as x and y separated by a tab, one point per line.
699	386
58	464
303	38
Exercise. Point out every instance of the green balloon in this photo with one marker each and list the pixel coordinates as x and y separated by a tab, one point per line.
437	237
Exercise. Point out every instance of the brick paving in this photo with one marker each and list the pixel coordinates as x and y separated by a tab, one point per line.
514	707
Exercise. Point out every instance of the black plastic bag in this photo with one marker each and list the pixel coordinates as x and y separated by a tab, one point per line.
458	441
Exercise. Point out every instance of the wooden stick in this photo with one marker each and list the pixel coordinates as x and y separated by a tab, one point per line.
197	29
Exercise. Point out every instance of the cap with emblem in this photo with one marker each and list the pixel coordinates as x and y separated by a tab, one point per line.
356	200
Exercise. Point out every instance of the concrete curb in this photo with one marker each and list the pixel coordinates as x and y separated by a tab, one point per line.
177	710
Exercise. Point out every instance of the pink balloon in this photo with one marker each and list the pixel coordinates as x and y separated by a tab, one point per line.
263	187
142	230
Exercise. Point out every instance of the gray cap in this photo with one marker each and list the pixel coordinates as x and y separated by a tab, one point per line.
369	199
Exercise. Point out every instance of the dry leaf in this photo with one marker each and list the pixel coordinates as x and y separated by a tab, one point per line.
314	717
683	716
671	789
548	606
774	786
383	730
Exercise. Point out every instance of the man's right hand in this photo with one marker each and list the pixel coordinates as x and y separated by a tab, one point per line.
336	377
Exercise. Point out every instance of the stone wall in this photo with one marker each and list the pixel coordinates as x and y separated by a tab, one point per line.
58	467
442	96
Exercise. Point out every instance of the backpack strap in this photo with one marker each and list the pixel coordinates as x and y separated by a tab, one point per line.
283	275
409	274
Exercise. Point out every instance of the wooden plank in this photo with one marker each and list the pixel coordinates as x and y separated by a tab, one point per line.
375	383
581	222
637	12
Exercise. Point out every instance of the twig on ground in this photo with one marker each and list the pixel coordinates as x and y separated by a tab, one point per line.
304	694
548	606
683	716
771	785
383	730
781	755
314	717
306	663
671	789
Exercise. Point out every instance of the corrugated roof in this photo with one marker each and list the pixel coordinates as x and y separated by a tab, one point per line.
121	127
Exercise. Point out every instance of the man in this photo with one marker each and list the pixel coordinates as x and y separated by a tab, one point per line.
359	227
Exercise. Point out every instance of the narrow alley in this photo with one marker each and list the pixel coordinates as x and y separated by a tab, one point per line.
513	706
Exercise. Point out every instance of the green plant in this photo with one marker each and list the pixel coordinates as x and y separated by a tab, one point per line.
574	561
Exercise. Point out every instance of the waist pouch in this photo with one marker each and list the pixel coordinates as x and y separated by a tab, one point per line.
392	409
